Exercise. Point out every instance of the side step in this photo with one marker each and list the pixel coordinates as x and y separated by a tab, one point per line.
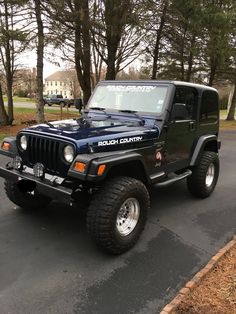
175	178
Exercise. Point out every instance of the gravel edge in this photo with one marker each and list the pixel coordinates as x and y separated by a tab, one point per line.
190	285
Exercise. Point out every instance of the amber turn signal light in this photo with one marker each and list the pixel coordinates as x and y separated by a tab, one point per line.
79	166
101	170
6	146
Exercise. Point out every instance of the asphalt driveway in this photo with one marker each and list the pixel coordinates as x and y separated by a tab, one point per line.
48	264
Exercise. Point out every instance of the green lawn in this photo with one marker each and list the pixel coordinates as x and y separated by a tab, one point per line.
20	99
2	136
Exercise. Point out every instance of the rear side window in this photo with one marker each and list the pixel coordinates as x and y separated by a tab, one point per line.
209	107
187	96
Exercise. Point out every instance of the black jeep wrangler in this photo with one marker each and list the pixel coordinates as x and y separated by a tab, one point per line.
132	134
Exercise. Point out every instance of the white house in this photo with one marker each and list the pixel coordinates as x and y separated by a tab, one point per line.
64	83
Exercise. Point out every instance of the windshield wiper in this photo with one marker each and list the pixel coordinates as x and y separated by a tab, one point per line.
97	108
50	124
142	121
128	111
100	109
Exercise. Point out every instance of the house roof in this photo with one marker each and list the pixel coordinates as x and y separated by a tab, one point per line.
62	76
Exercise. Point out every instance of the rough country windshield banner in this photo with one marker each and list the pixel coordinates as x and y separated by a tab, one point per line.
142	98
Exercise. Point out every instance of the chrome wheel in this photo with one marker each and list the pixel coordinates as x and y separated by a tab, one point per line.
210	175
128	216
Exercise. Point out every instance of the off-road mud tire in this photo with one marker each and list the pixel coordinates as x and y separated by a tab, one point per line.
197	181
103	212
25	200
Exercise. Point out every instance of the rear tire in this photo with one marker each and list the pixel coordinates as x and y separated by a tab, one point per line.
23	199
117	214
205	175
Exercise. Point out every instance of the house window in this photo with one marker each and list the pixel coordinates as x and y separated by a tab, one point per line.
60	83
51	83
47	83
65	93
56	83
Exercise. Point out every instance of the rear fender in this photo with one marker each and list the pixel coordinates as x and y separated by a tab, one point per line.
205	143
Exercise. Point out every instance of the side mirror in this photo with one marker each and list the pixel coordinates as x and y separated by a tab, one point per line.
179	112
78	103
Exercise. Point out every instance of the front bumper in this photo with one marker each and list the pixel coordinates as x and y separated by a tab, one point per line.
43	186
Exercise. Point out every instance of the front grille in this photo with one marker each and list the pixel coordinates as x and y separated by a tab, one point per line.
46	151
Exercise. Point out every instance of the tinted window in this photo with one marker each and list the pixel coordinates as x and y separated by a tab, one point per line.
188	97
209	107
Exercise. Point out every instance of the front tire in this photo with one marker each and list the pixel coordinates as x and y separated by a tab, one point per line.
117	214
205	175
23	199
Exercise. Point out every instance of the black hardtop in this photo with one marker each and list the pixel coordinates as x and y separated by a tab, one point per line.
157	82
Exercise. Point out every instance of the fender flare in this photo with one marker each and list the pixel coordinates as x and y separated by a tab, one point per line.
201	143
110	159
13	148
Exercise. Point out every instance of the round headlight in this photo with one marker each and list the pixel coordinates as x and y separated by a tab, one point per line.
23	142
69	153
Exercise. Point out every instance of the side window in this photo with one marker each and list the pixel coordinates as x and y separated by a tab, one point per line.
209	107
187	97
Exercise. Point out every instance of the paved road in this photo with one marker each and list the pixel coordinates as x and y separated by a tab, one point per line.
48	264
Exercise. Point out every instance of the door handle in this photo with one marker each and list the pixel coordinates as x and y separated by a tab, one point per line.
192	125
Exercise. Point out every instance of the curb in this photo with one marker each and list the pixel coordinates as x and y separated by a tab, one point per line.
190	285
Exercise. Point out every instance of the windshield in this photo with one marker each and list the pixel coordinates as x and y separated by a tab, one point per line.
141	98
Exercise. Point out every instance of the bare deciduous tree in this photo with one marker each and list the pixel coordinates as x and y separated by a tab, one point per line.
40	55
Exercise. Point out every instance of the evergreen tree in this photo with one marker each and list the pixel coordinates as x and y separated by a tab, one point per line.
13	35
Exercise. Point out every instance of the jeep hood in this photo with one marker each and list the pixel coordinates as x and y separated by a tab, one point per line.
99	132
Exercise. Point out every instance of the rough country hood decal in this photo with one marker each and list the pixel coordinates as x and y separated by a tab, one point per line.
121	141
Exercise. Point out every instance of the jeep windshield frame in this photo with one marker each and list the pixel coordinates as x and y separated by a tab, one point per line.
120	97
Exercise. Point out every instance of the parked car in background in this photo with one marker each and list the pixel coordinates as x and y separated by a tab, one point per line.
57	99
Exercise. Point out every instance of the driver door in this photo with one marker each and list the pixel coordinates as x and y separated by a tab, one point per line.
182	127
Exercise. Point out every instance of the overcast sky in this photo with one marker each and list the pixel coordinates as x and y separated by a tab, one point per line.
29	60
